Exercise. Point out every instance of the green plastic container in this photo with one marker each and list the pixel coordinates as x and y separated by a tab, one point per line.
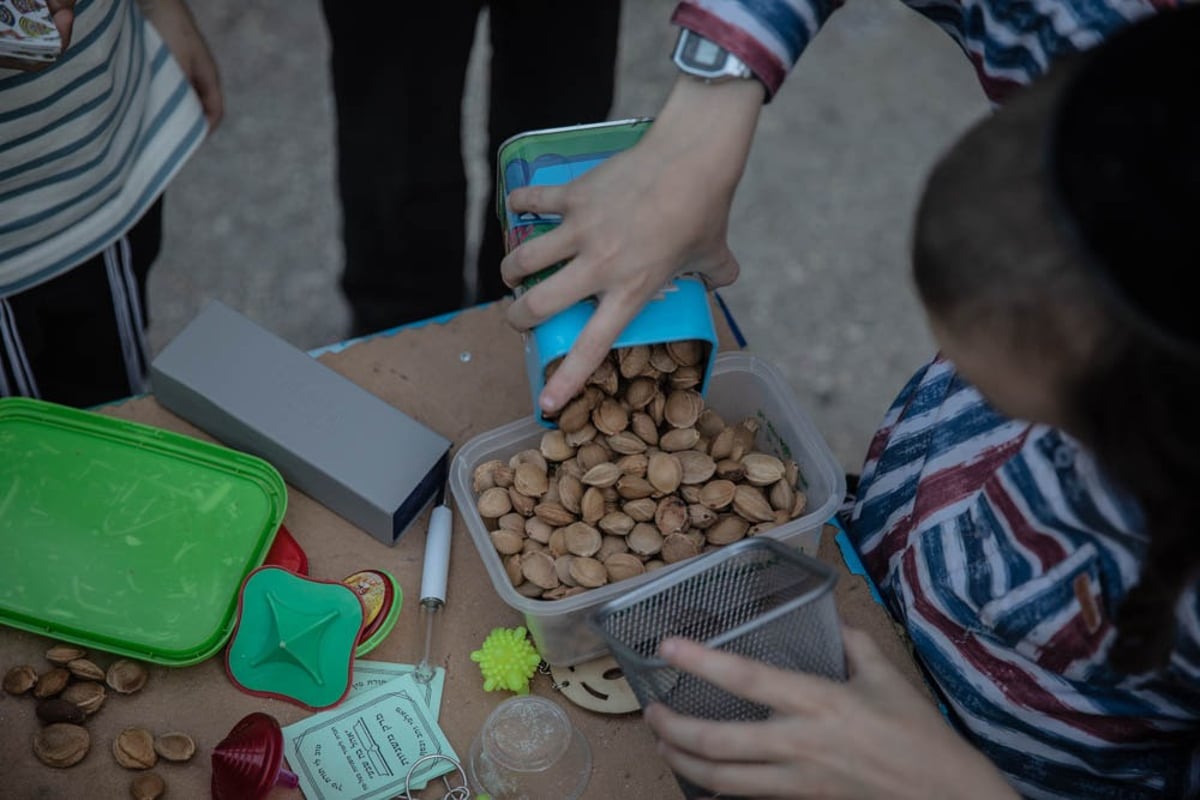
127	538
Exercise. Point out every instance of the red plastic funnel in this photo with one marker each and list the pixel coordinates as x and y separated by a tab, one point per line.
248	762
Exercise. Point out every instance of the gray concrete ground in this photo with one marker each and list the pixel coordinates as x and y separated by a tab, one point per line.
820	222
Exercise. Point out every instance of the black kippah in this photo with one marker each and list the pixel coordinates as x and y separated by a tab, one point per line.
1124	164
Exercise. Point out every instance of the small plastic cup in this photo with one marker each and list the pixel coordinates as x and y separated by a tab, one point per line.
529	750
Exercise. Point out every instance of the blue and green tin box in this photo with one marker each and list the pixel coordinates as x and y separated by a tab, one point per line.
554	156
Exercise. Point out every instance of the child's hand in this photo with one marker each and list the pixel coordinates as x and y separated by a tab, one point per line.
633	222
63	14
174	23
873	736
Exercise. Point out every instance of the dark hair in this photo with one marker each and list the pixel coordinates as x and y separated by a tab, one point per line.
1063	226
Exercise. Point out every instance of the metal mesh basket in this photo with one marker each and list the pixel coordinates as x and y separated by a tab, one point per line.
757	598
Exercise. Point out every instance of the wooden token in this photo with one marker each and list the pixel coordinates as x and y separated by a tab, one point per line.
596	685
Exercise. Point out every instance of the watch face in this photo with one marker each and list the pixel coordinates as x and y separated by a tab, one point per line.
703	54
700	56
704	58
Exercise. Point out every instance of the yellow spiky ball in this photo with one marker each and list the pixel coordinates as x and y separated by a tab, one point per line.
507	660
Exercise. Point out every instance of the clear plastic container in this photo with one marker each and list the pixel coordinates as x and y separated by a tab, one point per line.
742	385
529	750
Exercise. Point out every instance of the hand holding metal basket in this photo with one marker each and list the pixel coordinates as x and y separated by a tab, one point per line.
757	598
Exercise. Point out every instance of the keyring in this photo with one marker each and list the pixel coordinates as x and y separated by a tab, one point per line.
452	792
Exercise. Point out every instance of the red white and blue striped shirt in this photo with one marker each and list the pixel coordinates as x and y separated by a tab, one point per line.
998	543
1006	553
1009	42
89	143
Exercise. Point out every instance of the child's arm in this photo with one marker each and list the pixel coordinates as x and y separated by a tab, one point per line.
873	736
662	207
177	27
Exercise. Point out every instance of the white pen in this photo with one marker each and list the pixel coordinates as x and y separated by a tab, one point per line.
433	579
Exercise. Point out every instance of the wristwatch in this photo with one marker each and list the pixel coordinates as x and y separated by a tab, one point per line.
704	58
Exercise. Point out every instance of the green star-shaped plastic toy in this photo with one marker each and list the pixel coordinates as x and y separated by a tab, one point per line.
295	638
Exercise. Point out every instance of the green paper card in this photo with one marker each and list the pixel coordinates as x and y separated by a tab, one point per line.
369	675
365	748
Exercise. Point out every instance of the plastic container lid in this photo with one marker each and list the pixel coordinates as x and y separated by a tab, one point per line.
127	538
287	553
382	598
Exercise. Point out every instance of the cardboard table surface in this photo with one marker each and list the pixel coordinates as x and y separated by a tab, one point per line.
426	372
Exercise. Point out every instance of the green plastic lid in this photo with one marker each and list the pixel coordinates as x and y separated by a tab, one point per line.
295	638
127	538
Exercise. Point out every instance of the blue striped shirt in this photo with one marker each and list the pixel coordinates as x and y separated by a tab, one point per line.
88	144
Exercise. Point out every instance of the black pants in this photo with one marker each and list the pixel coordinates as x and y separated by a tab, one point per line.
68	327
399	71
